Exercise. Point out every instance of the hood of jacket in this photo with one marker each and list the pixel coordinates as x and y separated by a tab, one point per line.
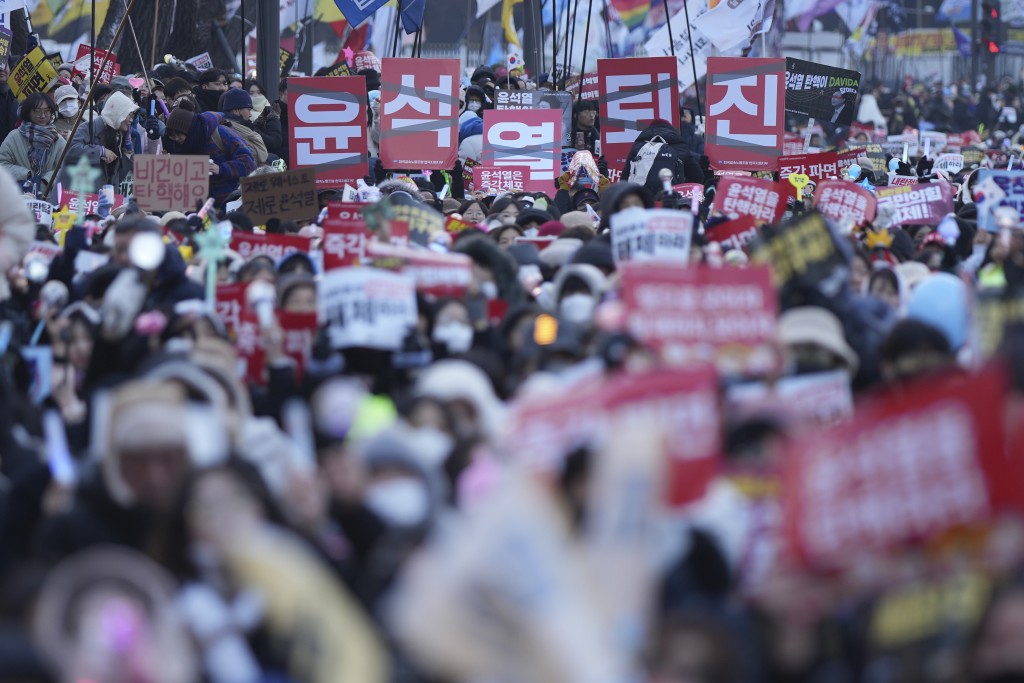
117	108
663	128
613	196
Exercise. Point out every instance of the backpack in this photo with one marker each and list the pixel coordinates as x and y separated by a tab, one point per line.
655	155
252	140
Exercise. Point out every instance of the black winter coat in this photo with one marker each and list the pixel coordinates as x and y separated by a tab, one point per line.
689	170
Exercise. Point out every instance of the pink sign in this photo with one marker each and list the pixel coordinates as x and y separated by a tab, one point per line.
525	139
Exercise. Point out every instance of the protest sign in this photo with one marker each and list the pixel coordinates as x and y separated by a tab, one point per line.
276	247
48	250
286	59
820	399
898	180
525	138
950	163
92	201
297	333
32	74
84	62
5	43
933	142
804	250
166	182
993	312
760	199
973	156
911	465
746	118
435	274
229	303
364	59
591	90
920	204
422	222
691	191
824	93
841	199
327	127
202	62
733	234
677	43
492	179
339	69
288	196
419	113
527	99
817	166
634	92
699	313
367	307
345	236
651	235
895	144
43	211
1007	189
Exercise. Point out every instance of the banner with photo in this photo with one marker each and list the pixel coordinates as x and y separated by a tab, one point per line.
825	93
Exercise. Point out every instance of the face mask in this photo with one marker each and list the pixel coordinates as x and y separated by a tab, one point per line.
577	308
399	502
458	337
489	290
474	105
68	109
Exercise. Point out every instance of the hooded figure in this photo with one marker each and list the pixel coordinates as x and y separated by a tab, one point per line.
620	196
576	292
107	142
673	155
190	133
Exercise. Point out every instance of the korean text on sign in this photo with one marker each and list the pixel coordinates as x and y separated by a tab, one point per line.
492	178
525	138
287	196
634	92
367	307
746	98
328	127
419	110
838	199
753	197
171	182
345	236
922	203
651	235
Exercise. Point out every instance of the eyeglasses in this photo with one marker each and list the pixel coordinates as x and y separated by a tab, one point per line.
42	110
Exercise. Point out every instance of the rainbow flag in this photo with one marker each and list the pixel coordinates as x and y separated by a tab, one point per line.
631	12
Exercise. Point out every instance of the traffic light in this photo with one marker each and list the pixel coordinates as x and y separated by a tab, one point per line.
991	27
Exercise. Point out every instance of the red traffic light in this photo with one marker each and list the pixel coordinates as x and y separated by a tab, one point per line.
992	47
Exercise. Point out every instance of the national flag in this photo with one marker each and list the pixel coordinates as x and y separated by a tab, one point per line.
631	12
729	24
963	42
412	15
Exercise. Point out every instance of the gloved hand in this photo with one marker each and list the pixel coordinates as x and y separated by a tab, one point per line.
155	128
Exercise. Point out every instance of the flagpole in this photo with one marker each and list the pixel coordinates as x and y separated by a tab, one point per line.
689	38
586	44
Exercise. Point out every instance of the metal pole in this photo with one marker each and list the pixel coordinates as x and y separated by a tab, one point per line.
975	44
689	38
268	46
586	44
156	18
531	45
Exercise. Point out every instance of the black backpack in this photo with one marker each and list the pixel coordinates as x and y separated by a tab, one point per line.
655	155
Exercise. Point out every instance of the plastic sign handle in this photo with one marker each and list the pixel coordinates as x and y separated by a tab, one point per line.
799	181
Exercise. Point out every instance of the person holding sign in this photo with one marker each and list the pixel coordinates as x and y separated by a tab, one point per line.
230	158
107	142
31	152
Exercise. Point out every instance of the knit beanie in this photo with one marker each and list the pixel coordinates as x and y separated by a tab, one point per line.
180	121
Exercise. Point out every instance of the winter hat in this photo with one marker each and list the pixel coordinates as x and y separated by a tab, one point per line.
525	254
941	301
236	99
585	195
539	216
65	92
595	280
459	380
180	121
117	108
372	78
560	251
596	253
572	219
120	83
241	221
817	326
550	229
101	91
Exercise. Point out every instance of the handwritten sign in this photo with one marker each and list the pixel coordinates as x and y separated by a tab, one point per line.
171	182
288	196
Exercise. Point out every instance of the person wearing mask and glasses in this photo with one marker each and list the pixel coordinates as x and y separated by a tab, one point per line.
31	151
66	98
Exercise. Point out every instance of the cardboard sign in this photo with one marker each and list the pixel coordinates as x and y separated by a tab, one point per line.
950	163
824	93
275	246
696	313
345	236
733	234
201	62
367	307
166	182
660	235
851	488
634	92
419	113
803	249
439	275
84	62
32	74
525	138
759	199
973	156
921	204
327	128
289	196
498	179
746	99
841	199
1008	191
421	221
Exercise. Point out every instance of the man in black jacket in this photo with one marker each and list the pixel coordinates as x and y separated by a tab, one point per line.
212	84
673	155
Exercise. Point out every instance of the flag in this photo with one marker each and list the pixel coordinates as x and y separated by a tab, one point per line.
631	12
506	21
730	24
483	5
412	15
963	42
357	11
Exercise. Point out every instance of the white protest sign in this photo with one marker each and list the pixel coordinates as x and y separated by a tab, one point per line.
367	307
950	163
651	235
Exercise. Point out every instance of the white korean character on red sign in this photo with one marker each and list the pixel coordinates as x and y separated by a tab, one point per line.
634	92
408	104
745	103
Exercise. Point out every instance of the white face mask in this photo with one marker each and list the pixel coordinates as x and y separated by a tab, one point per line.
399	502
68	108
489	290
458	337
577	308
474	105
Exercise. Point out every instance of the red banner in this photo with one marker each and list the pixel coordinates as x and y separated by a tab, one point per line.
634	92
910	465
734	234
746	102
92	201
435	274
298	331
327	125
837	199
525	138
230	303
919	204
693	313
275	246
419	113
493	178
345	235
591	91
744	196
84	62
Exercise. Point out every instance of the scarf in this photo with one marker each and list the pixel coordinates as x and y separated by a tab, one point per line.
41	140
